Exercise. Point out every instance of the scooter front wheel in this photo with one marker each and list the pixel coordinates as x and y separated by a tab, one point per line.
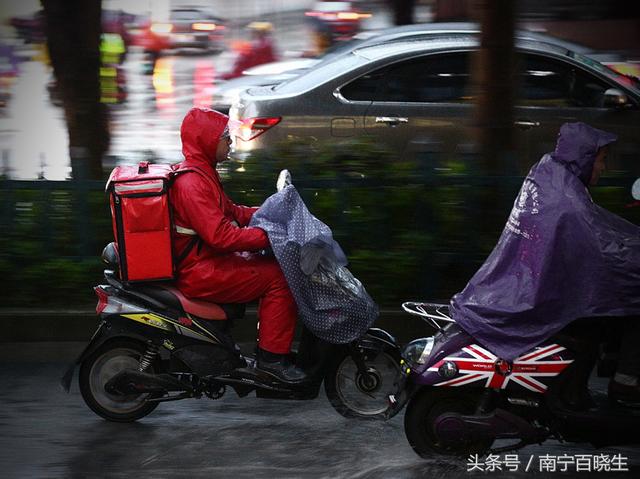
100	367
357	395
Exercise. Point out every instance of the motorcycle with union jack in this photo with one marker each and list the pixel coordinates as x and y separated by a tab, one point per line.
461	398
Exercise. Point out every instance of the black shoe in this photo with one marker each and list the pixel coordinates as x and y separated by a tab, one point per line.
627	395
279	366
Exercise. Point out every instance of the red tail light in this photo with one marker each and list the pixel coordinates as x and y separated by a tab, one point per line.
103	299
253	127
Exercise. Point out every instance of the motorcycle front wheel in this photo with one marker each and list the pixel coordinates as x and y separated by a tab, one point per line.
357	395
100	367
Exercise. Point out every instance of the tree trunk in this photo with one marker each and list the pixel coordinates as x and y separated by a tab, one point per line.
403	11
73	30
494	79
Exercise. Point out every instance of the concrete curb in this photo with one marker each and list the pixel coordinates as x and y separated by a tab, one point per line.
39	324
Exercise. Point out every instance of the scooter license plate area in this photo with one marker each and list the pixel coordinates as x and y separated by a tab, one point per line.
401	394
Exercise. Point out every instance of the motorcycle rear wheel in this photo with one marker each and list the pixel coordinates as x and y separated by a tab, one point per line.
100	367
355	395
419	422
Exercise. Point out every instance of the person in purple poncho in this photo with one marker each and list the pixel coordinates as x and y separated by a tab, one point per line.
560	258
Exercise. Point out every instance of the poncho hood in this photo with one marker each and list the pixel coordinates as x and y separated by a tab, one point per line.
577	147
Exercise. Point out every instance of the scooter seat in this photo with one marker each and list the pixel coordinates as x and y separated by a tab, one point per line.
197	307
173	298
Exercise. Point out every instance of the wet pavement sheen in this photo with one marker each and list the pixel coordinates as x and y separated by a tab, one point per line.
45	432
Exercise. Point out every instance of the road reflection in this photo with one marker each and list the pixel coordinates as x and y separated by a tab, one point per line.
33	134
203	78
164	85
231	437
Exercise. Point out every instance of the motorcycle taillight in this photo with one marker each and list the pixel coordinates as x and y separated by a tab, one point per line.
253	127
103	299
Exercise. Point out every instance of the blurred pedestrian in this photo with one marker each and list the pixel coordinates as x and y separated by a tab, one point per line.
321	36
259	50
112	50
154	39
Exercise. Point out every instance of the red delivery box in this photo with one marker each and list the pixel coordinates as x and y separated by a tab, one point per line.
139	200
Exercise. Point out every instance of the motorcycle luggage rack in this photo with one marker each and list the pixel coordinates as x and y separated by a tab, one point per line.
429	312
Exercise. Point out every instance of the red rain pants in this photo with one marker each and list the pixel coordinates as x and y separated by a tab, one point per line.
248	277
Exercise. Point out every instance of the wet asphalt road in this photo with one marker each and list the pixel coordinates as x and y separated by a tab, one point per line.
45	432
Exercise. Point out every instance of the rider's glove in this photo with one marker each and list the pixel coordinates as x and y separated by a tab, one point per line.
284	179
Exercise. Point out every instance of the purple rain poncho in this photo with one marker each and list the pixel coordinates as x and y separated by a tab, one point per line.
560	256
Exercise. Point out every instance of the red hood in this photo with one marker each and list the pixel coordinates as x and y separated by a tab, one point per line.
200	133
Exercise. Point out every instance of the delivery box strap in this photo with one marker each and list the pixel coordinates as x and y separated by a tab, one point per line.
195	240
185	231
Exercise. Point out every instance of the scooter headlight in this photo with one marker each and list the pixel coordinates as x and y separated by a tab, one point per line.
417	352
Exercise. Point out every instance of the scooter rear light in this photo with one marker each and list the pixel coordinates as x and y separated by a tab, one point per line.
254	127
103	299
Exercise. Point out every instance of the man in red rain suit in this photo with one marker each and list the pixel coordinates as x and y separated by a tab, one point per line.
214	269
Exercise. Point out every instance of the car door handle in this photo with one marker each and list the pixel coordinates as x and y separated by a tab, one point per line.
526	124
391	120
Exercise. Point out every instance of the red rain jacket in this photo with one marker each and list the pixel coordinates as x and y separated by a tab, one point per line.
152	42
258	52
200	204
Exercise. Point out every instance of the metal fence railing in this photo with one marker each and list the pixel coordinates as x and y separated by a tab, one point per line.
412	236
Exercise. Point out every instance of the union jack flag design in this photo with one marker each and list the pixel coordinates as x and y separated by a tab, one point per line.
477	364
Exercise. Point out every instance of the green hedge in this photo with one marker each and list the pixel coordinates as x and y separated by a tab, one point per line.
411	230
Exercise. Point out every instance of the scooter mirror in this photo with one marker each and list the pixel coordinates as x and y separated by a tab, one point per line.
284	179
635	190
614	98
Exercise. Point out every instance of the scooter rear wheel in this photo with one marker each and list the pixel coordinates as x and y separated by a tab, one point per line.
356	395
100	367
420	418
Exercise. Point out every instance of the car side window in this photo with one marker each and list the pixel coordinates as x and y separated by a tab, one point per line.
429	79
364	88
548	82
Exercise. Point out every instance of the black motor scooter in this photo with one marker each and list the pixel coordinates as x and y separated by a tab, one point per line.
154	345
